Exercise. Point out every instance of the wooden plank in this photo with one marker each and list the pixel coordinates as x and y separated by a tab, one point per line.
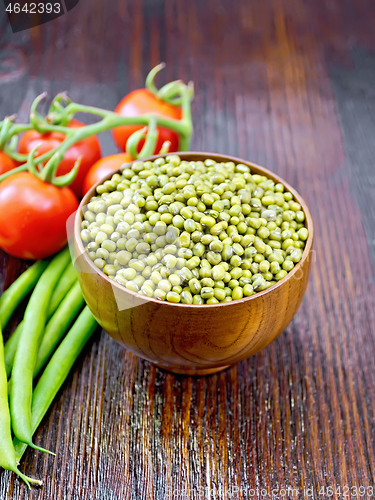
276	82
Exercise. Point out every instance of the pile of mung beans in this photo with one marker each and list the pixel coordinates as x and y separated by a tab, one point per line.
193	232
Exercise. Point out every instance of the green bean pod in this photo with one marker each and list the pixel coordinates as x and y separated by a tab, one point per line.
57	370
11	347
65	283
18	290
7	452
58	325
21	386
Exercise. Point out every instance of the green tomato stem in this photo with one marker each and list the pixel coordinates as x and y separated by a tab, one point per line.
151	139
133	141
175	93
165	148
169	91
150	85
67	179
22	168
13	143
31	163
49	170
57	114
37	121
7	124
149	133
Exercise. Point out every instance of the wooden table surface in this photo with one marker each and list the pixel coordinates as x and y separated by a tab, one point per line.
288	84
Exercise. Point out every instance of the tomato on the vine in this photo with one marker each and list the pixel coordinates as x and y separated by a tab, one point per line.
89	149
6	163
141	102
103	167
33	216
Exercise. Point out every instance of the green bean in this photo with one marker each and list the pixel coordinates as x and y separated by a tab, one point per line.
63	286
18	290
58	325
21	386
8	458
65	283
57	370
11	347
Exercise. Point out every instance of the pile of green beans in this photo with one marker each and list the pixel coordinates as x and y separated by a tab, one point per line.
57	370
21	386
193	232
8	458
53	305
67	280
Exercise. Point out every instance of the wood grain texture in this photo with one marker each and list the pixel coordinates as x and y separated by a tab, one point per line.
277	83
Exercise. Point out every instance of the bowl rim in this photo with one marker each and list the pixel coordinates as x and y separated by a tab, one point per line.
205	155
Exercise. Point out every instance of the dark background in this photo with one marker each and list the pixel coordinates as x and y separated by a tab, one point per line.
288	84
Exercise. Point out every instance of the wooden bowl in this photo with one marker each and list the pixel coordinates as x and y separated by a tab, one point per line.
193	339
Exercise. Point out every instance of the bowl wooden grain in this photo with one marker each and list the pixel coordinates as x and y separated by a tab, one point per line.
193	339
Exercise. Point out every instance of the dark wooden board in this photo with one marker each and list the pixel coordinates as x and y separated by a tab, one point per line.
288	84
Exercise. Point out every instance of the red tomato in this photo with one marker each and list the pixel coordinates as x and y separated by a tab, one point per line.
103	167
89	149
140	102
6	163
33	216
